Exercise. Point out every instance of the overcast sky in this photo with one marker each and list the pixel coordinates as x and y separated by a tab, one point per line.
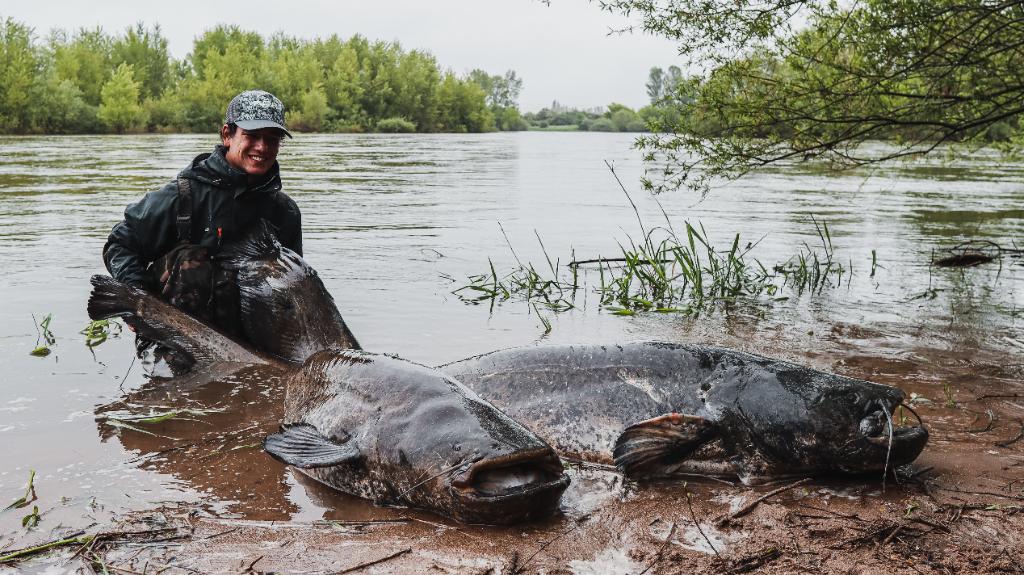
562	52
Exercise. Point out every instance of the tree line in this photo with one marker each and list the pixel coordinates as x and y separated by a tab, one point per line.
89	81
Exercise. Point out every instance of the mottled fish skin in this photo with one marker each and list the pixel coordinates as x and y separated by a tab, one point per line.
420	433
773	418
285	309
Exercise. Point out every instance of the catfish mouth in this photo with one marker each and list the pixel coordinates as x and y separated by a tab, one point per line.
513	488
514	476
902	444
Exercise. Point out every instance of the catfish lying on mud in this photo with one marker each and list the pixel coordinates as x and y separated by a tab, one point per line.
661	408
375	426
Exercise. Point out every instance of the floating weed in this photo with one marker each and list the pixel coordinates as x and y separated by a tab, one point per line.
99	330
44	337
30	493
132	421
32	519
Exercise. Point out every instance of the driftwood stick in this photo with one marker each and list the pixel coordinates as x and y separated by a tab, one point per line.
1013	439
374	562
750	506
657	557
689	503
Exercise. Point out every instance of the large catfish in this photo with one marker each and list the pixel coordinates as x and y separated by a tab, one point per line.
373	425
658	409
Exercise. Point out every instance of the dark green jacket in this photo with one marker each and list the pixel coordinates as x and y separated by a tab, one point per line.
222	199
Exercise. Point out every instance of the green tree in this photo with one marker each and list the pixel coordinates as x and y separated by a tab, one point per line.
802	79
145	51
462	106
119	107
344	88
85	59
58	108
656	85
18	67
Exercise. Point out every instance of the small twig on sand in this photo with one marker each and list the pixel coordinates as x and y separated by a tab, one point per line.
251	565
657	557
1013	439
755	561
992	493
930	523
890	536
750	506
991	421
522	565
1000	396
689	503
381	560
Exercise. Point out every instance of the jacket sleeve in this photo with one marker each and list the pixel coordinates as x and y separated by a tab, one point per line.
147	232
290	234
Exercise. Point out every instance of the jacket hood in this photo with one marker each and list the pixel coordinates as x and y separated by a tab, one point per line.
214	169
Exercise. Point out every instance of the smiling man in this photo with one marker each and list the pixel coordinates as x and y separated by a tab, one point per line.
167	239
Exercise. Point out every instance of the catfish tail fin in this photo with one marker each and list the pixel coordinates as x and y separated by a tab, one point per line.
111	298
650	447
259	244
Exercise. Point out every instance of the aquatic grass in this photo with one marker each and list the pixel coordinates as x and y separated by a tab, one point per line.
31	520
665	272
44	337
99	330
662	272
807	270
30	493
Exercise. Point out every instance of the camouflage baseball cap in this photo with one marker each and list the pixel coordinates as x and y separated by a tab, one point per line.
256	109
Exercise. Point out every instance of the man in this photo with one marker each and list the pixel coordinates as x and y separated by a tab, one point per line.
167	239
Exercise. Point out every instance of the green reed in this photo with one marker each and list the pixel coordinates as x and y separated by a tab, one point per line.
811	270
665	272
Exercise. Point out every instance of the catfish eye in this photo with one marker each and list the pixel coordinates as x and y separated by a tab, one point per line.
873	424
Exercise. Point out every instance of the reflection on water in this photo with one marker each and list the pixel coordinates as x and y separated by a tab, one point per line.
389	218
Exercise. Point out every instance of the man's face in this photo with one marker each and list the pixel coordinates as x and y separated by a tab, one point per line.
252	151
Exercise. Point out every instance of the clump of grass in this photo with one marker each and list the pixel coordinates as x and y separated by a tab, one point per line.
44	337
664	272
99	330
809	271
556	292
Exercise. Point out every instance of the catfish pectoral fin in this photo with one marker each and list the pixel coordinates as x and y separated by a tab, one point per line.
649	447
302	445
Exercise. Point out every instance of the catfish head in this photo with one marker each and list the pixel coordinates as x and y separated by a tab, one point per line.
285	309
791	420
404	434
773	419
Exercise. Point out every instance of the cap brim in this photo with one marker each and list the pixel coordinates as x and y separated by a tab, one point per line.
261	124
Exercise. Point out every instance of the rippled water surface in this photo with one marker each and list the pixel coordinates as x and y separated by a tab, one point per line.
395	223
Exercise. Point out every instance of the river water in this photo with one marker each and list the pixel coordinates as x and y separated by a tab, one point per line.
395	223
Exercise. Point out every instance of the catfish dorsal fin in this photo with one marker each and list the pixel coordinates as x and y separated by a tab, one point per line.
302	445
648	447
259	243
